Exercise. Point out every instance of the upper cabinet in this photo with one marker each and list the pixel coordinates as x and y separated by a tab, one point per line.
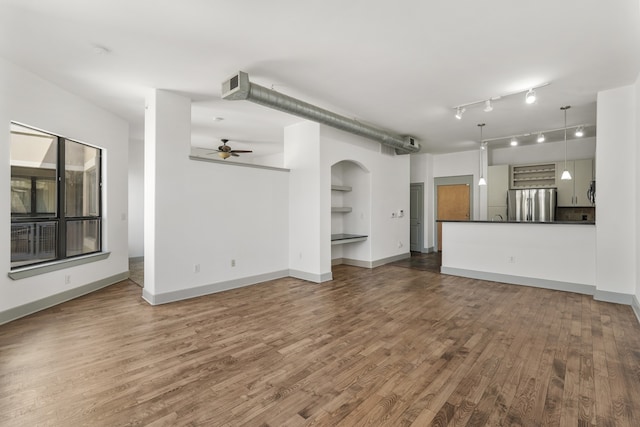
573	192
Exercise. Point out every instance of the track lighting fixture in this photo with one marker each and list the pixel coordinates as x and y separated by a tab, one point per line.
566	175
513	142
580	131
530	97
541	135
481	181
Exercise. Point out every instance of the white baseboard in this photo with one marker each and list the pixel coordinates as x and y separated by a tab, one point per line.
519	280
311	277
635	305
606	296
44	303
370	264
182	294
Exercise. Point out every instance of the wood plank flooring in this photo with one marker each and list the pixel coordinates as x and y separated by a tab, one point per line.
391	346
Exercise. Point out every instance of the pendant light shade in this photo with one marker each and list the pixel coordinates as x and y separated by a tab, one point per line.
481	181
566	175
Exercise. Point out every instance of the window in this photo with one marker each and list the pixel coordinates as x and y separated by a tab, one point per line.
55	197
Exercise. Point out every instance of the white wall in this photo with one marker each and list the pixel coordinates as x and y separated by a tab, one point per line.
617	192
136	198
205	213
26	98
302	157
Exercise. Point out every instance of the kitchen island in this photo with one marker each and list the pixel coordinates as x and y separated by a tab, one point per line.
555	255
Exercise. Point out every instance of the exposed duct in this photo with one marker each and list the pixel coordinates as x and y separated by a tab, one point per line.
239	87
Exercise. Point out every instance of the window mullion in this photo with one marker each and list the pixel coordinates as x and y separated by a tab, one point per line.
62	223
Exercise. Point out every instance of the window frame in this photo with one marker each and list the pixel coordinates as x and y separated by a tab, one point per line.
60	216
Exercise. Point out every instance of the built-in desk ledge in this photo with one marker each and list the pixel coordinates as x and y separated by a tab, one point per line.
519	222
340	239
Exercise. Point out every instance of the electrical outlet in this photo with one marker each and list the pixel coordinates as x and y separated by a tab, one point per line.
67	279
196	268
233	263
393	214
400	244
400	213
511	259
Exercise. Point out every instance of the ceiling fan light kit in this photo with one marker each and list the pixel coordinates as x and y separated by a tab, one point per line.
224	151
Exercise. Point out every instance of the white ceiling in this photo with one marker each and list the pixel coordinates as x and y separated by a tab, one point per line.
398	65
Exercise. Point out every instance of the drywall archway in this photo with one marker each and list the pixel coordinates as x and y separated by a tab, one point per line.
351	213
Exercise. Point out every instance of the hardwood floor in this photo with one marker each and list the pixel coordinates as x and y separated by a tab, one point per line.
389	346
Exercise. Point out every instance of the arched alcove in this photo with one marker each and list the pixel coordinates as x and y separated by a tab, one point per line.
350	213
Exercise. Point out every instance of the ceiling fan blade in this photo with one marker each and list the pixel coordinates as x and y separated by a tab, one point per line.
234	154
241	151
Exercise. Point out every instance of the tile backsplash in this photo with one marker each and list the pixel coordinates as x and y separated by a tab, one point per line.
576	214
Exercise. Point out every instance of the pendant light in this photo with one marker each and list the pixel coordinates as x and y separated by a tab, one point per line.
481	181
566	175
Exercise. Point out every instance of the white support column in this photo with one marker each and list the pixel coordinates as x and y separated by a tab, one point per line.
167	141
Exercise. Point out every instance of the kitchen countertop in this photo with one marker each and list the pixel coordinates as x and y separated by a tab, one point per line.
519	222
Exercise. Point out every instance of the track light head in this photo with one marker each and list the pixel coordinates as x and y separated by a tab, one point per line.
459	112
530	97
487	106
580	131
513	142
482	181
540	137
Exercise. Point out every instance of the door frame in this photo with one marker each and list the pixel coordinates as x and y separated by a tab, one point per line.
449	180
420	187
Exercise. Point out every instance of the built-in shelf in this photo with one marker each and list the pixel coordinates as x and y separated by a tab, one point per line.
342	238
533	176
340	209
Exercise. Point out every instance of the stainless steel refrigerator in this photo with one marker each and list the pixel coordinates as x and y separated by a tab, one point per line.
531	205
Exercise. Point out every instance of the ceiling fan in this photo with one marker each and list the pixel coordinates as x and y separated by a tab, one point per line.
225	151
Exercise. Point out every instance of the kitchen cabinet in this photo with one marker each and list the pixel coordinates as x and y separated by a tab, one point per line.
573	193
497	188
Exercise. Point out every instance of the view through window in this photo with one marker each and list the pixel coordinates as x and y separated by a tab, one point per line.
55	197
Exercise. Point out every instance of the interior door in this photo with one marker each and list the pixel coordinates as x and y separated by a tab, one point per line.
453	203
416	222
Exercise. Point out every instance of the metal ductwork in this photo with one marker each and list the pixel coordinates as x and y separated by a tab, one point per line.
239	87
